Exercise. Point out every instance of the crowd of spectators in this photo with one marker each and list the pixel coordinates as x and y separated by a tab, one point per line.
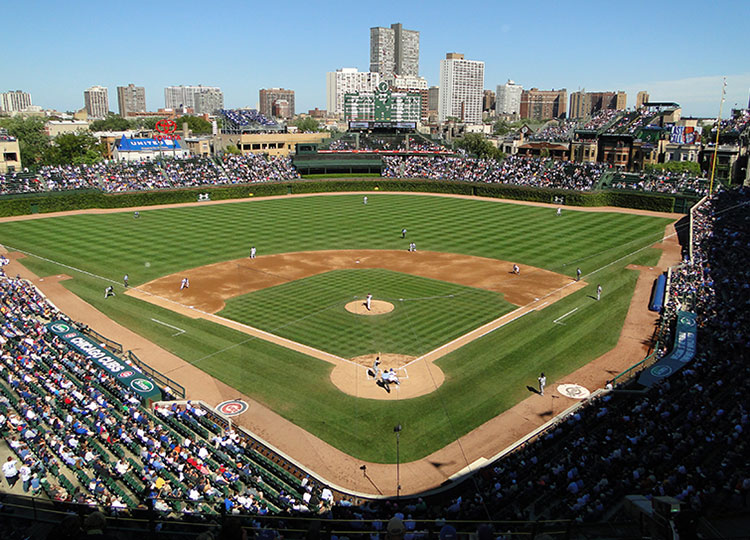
87	439
258	168
194	172
600	119
64	177
556	130
513	170
18	182
663	182
245	117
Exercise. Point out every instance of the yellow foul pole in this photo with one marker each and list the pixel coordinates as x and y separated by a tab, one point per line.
716	144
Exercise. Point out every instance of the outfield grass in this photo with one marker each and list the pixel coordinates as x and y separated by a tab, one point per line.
427	312
482	379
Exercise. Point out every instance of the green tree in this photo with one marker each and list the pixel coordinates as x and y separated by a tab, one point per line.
679	167
32	139
113	122
197	125
232	149
501	127
74	149
476	144
307	124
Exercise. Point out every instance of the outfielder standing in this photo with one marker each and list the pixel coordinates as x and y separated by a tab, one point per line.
598	292
364	201
252	252
125	280
403	232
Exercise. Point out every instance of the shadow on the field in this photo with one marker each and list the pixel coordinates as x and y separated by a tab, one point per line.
384	385
534	390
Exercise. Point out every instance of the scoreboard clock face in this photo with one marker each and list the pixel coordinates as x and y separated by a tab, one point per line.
382	86
525	130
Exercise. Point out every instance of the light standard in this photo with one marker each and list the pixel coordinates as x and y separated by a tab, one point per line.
718	130
397	431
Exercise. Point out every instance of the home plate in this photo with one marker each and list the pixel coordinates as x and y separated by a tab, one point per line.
575	391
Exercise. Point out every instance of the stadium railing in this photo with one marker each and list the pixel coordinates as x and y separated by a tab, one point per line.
176	388
111	344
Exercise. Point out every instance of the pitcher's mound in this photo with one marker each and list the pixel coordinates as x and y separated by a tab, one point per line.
377	307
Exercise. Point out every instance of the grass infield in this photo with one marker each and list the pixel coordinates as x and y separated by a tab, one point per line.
427	312
483	378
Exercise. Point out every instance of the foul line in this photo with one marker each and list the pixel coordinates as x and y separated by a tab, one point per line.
179	330
557	321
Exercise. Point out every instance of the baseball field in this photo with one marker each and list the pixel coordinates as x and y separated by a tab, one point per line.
302	300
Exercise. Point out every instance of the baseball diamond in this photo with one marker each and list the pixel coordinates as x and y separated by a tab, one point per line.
299	386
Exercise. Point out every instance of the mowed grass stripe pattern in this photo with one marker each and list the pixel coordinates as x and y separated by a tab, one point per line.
166	241
482	380
427	312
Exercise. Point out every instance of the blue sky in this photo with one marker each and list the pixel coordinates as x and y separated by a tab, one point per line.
677	50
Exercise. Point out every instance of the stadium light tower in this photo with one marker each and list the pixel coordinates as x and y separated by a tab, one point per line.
718	130
397	431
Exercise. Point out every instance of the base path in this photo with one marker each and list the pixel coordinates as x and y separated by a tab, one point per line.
343	470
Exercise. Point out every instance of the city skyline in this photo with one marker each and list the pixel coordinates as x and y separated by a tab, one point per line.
633	51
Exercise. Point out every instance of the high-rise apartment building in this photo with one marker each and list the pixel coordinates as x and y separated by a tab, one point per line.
176	97
641	98
543	104
586	104
394	51
131	99
270	96
508	98
12	101
347	81
97	101
461	89
433	98
209	101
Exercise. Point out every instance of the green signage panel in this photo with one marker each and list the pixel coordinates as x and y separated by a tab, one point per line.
133	380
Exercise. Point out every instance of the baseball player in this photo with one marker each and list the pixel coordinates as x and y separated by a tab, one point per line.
403	233
368	301
542	383
109	291
136	214
559	211
516	269
578	274
364	201
125	281
252	252
185	283
376	367
598	292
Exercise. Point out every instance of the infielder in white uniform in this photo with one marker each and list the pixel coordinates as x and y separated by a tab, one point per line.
185	283
252	252
516	269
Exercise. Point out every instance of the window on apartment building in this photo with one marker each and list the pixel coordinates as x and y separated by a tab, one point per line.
10	156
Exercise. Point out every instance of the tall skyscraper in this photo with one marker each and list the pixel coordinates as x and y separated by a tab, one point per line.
461	89
347	81
97	101
544	104
394	51
508	98
176	97
12	101
131	99
270	96
586	104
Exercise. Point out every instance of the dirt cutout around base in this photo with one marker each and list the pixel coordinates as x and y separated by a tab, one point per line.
416	376
377	307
